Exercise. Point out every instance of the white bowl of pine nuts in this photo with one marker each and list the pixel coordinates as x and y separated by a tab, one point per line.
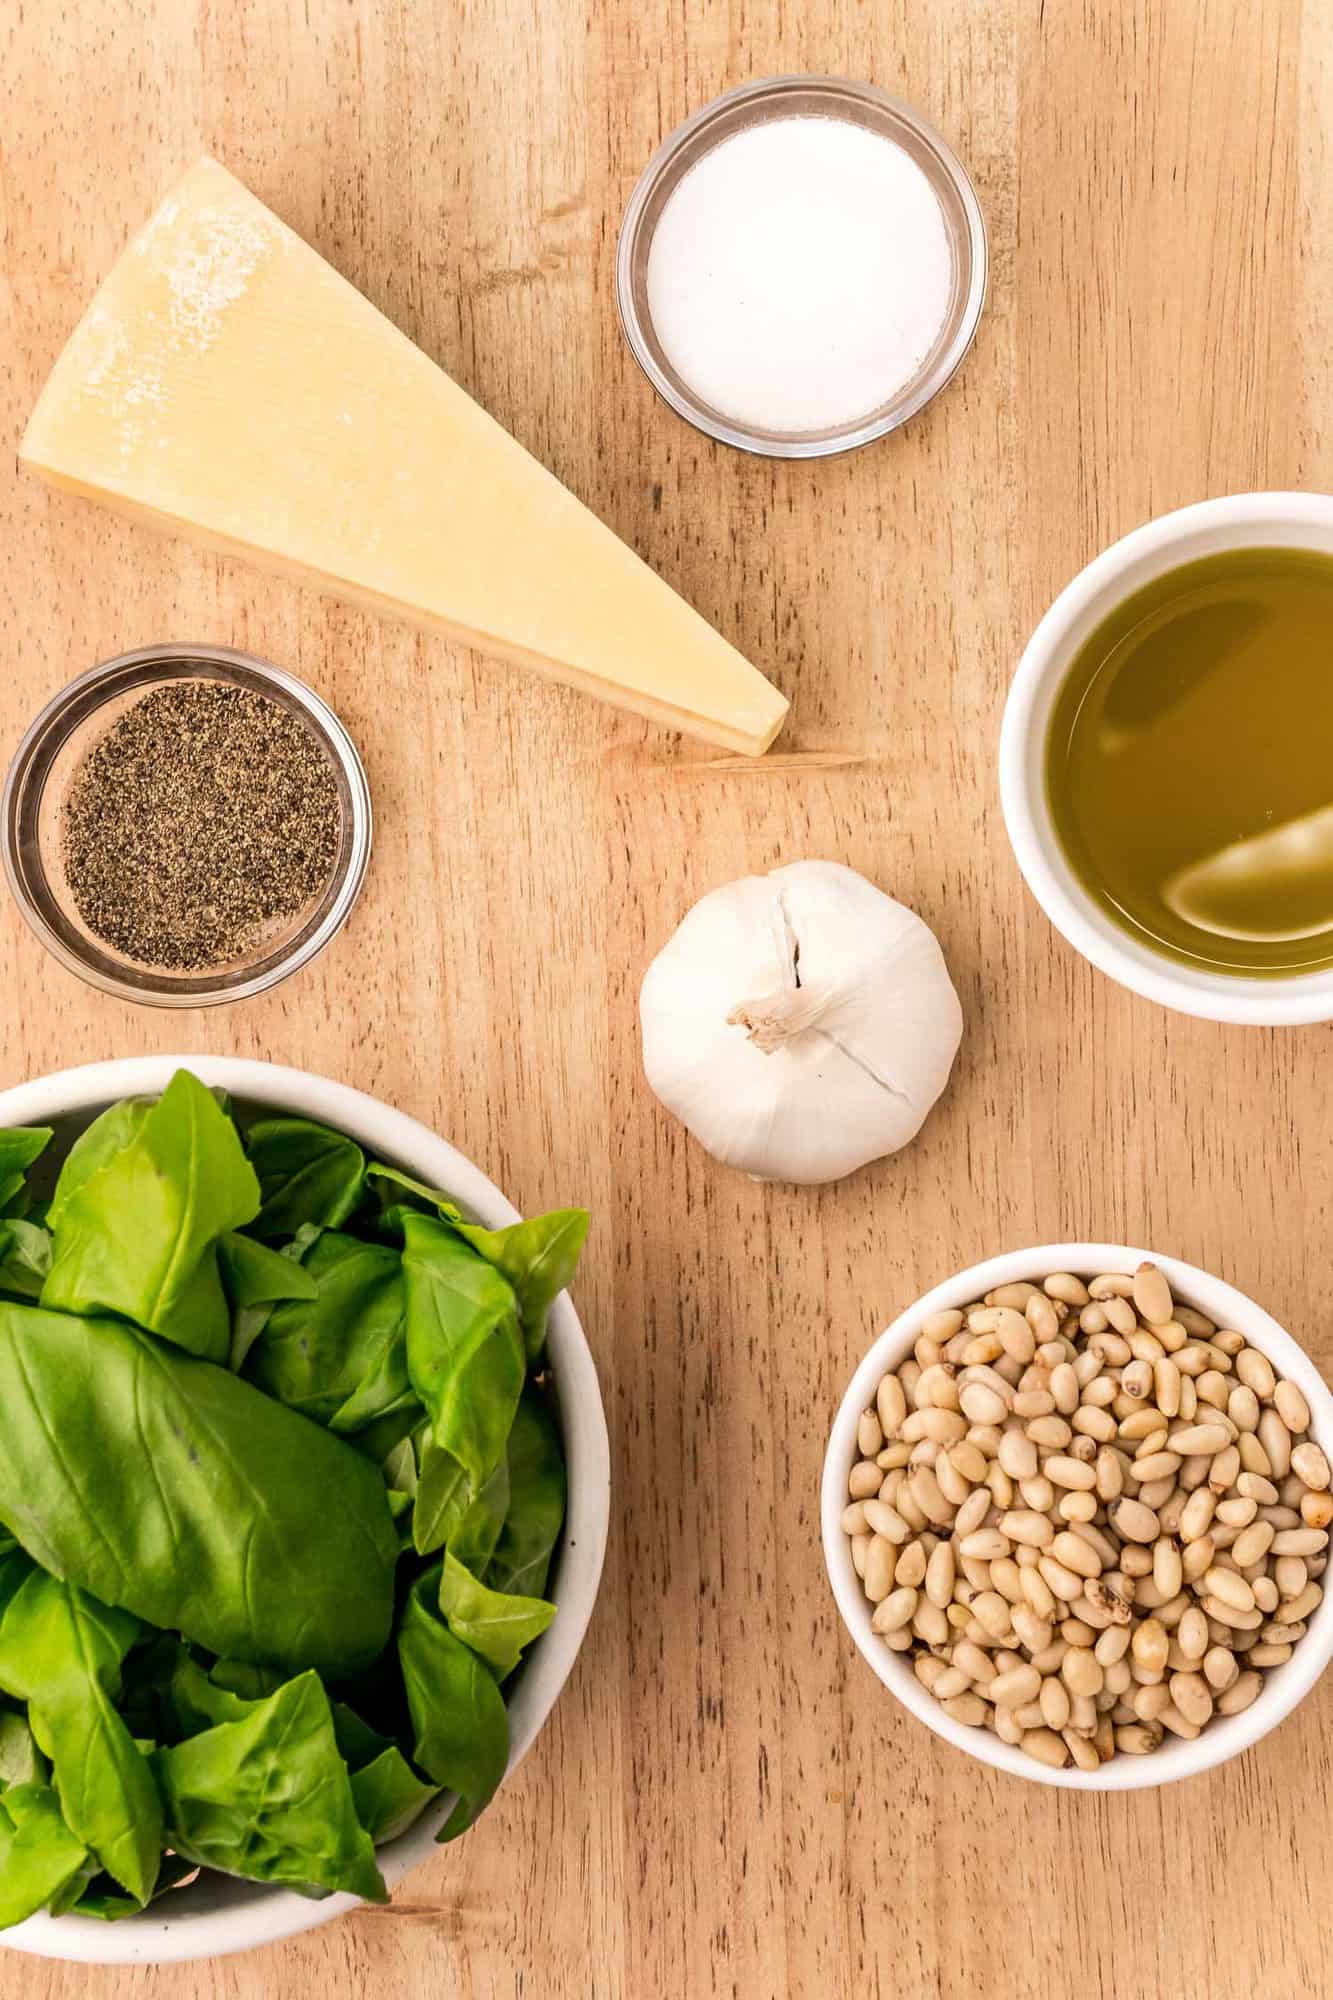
1075	1514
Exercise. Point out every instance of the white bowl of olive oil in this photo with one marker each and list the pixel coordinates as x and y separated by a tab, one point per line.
1165	763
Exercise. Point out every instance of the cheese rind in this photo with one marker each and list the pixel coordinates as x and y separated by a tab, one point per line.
227	384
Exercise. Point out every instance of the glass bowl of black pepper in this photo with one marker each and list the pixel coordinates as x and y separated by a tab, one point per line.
185	825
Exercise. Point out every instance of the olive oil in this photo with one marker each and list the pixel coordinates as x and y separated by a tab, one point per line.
1189	763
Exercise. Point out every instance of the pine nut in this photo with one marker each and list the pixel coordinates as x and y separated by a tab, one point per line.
1046	1747
985	1544
1015	1334
1317	1509
1137	1739
968	1709
1251	1486
1192	1697
1199	1440
1225	1469
1311	1467
1276	1441
1252	1544
1081	1671
1012	1689
941	1326
1152	1295
1255	1371
1077	1507
1240	1694
1299	1541
881	1563
1074	1553
940	1575
1292	1407
1062	1285
1111	1285
864	1479
1065	1584
890	1405
972	1513
1230	1588
869	1436
1253	1457
1069	1472
1131	1519
1304	1602
1107	1600
911	1564
896	1609
885	1520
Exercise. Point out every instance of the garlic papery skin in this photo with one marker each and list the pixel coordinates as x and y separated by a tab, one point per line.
800	1023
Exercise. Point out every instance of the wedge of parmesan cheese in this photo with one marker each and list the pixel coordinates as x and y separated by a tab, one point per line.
227	384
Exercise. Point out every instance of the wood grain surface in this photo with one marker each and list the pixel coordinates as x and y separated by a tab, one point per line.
725	1801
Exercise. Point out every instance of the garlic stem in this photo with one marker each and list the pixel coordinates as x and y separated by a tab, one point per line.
778	1018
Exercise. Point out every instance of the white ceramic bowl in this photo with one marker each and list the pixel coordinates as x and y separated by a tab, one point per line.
1225	1736
1242	520
219	1914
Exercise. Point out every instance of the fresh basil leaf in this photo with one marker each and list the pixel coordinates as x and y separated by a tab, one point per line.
136	1233
473	1540
254	1274
20	1145
464	1348
61	1651
102	1899
460	1723
96	1146
340	1357
267	1796
306	1174
389	1796
25	1257
21	1762
536	1513
166	1485
431	1198
440	1500
492	1622
38	1853
249	1321
538	1258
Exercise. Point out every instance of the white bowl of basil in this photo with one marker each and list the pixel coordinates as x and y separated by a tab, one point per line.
304	1490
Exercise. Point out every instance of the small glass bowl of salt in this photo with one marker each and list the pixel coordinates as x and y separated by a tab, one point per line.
801	267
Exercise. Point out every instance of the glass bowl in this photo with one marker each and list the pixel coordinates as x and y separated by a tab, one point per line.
49	758
808	97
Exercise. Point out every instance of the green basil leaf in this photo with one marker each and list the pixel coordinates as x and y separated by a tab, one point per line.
341	1356
389	1796
136	1230
267	1796
38	1853
473	1540
249	1321
21	1762
538	1258
306	1174
459	1719
61	1652
253	1274
430	1198
103	1900
464	1348
25	1257
166	1485
492	1622
20	1145
521	1562
440	1499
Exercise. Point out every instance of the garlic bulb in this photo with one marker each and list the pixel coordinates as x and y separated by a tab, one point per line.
800	1023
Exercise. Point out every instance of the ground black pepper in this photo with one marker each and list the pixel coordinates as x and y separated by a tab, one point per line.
206	816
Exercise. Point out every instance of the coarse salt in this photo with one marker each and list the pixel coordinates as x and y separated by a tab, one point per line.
800	274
